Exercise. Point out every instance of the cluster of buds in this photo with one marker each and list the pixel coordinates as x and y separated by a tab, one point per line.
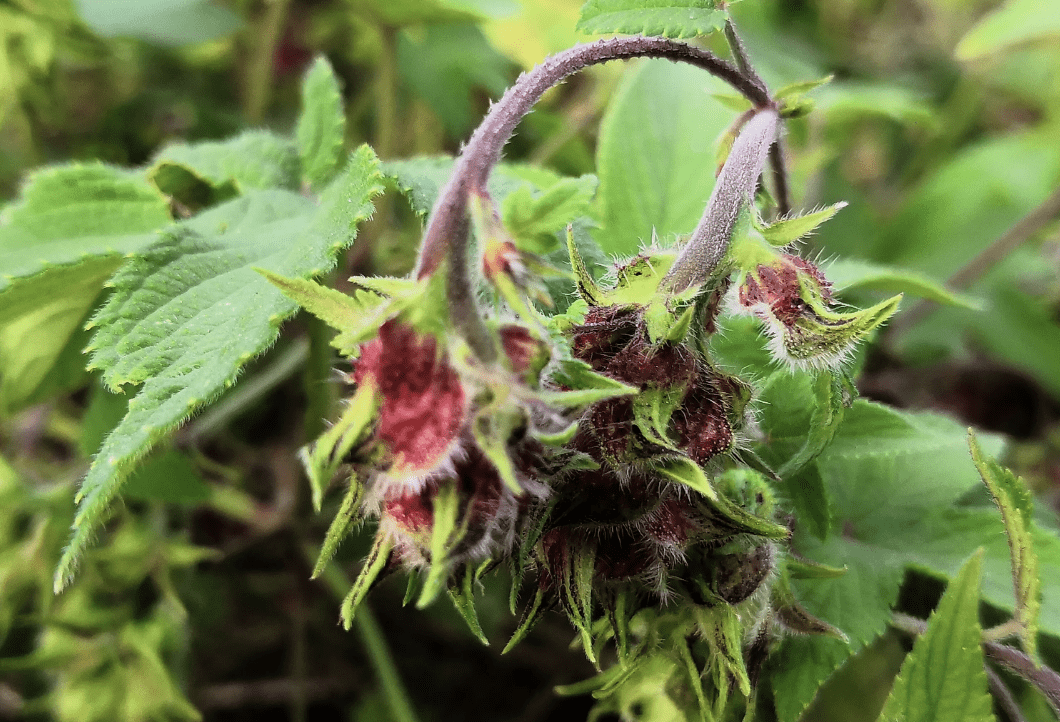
599	448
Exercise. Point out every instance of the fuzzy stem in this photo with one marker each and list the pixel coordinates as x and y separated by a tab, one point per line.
739	54
447	230
1003	697
733	192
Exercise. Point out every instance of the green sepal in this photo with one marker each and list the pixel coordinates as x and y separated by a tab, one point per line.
618	615
586	386
531	617
578	593
794	616
608	680
826	338
373	565
798	568
324	456
528	541
351	315
721	629
340	525
587	288
637	281
828	408
445	532
558	439
789	230
492	427
652	410
411	587
685	471
462	593
1016	504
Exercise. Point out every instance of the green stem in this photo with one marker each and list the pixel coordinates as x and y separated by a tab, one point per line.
371	634
260	69
320	392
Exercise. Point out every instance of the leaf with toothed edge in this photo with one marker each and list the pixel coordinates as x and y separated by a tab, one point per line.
321	126
373	565
668	18
789	230
190	312
531	617
1016	503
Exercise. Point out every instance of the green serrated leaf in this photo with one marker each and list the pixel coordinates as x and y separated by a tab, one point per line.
943	677
654	166
852	275
321	126
789	230
190	312
533	219
668	18
462	595
370	570
874	473
324	456
801	87
1016	504
257	159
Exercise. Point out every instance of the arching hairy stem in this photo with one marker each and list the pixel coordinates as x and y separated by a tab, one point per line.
447	230
733	192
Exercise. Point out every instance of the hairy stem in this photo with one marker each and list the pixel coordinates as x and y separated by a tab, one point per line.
1003	696
733	192
447	231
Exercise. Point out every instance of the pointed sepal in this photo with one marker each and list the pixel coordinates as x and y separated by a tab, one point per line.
377	560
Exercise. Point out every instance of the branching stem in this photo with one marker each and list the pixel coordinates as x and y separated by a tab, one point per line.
447	231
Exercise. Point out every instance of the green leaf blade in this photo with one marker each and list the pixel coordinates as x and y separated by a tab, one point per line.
1016	504
668	18
943	678
189	313
257	159
321	126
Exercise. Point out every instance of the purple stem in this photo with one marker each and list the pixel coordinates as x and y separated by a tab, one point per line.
733	191
447	230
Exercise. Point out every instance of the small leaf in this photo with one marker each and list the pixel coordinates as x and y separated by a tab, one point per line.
370	570
851	275
668	18
348	314
802	87
463	596
1016	503
321	126
256	159
324	456
533	219
943	677
789	230
588	290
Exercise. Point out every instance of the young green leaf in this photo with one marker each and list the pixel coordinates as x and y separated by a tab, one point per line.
669	18
1016	504
189	313
534	218
789	230
654	167
943	678
321	126
256	159
850	275
462	594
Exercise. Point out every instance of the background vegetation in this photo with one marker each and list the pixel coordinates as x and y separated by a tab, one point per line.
940	129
